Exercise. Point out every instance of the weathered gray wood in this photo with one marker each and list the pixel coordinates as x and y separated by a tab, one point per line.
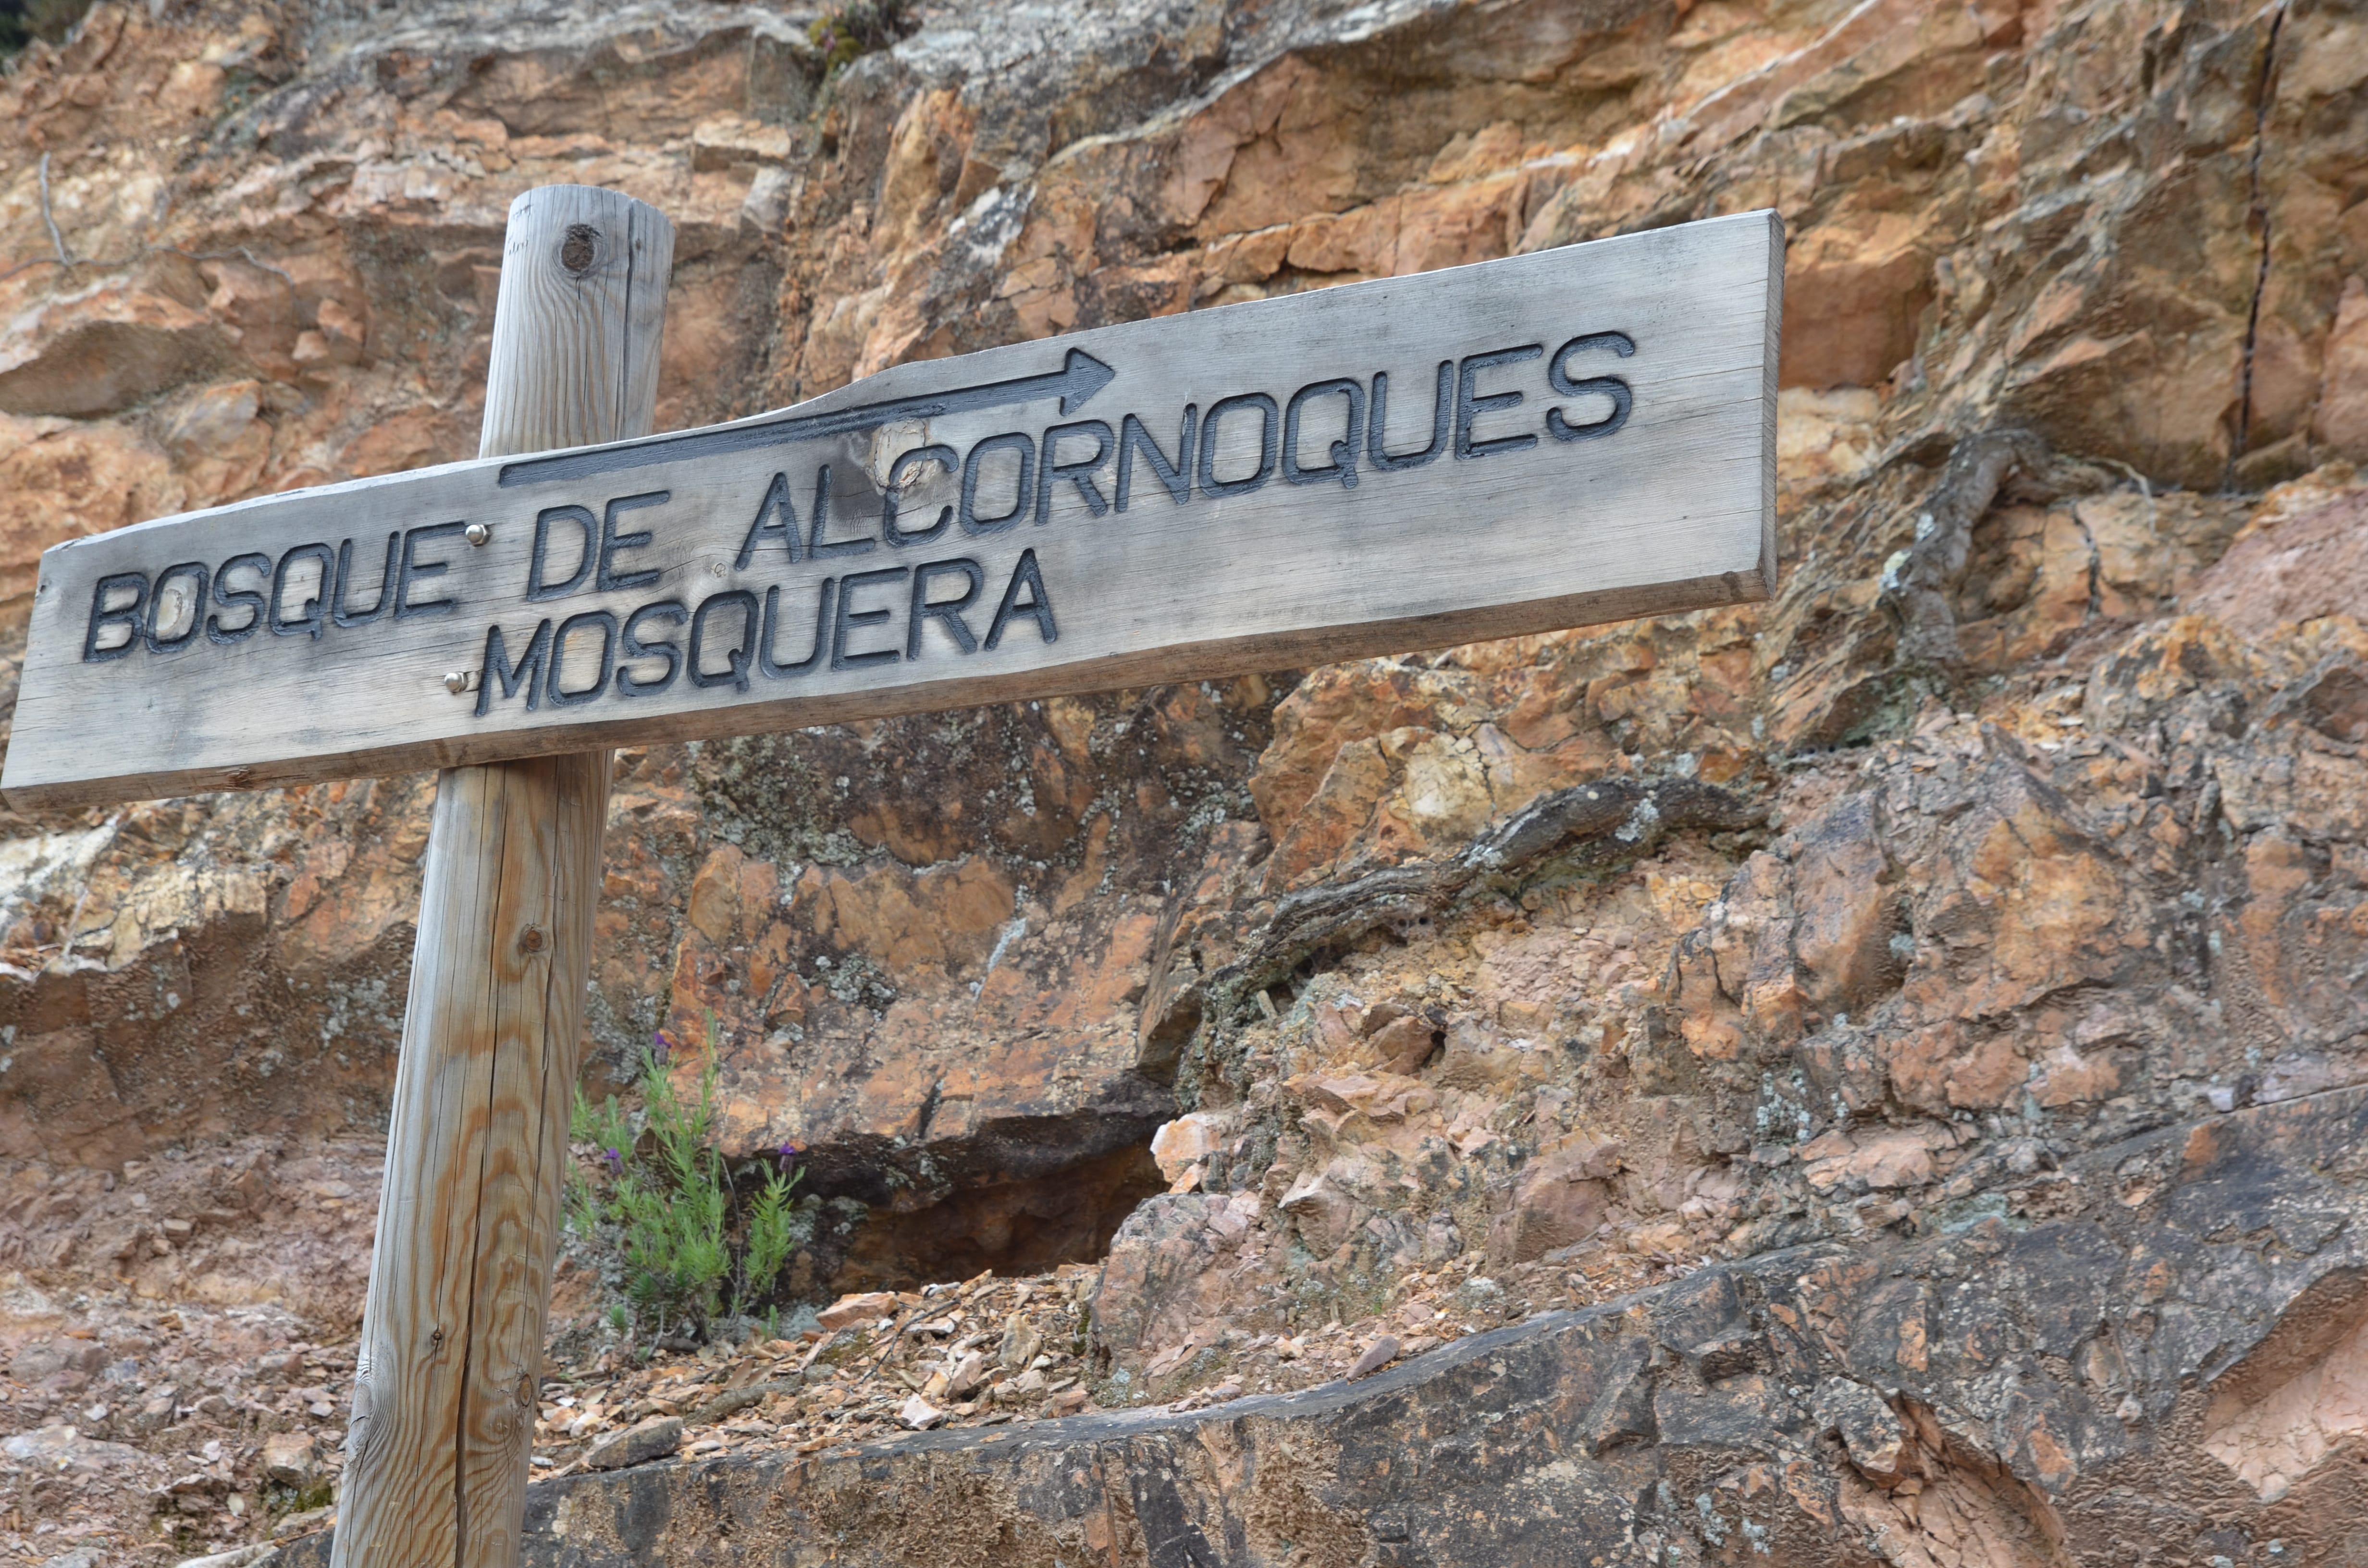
444	1400
1509	529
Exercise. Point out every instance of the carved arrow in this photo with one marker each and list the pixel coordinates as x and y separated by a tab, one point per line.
1078	379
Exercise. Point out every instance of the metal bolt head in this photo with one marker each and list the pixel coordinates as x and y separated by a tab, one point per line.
477	533
457	682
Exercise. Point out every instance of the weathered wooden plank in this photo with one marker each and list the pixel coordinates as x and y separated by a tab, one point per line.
1547	440
452	1328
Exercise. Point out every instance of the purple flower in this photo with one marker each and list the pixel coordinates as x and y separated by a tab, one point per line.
616	1161
790	1151
661	1045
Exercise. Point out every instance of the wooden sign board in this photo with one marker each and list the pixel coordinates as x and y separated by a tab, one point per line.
1557	439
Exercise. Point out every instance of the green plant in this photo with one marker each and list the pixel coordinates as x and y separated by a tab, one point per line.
663	1197
770	1236
849	32
280	1499
22	21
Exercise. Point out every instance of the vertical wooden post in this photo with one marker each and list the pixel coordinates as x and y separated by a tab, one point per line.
445	1394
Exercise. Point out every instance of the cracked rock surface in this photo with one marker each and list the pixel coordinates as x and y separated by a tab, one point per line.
1872	1077
2008	1393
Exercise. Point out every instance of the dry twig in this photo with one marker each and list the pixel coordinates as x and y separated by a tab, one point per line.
56	238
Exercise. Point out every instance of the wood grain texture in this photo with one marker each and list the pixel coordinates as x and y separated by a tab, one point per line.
468	1218
1264	552
577	322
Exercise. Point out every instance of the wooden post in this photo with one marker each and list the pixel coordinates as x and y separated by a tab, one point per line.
469	1213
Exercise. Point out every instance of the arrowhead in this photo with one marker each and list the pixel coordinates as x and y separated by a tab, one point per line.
1081	377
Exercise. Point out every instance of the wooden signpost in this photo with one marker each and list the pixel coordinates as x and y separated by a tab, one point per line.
1551	441
442	1433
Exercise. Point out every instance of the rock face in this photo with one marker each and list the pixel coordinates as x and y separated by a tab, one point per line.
638	1444
2156	1371
1875	1073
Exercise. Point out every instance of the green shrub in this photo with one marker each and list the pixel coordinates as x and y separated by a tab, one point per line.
849	32
662	1198
281	1500
22	21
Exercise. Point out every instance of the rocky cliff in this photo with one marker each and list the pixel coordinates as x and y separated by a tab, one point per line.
1872	1077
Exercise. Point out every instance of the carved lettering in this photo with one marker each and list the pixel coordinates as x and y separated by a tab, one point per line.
947	613
110	612
1330	431
1470	402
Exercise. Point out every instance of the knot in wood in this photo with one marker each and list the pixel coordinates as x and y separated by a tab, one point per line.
531	939
580	249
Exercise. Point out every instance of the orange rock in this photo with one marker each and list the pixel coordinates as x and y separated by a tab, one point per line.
1187	1142
2064	1076
1362	241
1342	805
1845	913
1323	1213
1404	1044
2033	906
926	155
218	441
2341	419
104	351
1443	795
2294	569
1332	707
1947	1066
1518	774
408	441
1852	293
759	894
946	917
61	480
1544	717
849	1310
2045	587
714	905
